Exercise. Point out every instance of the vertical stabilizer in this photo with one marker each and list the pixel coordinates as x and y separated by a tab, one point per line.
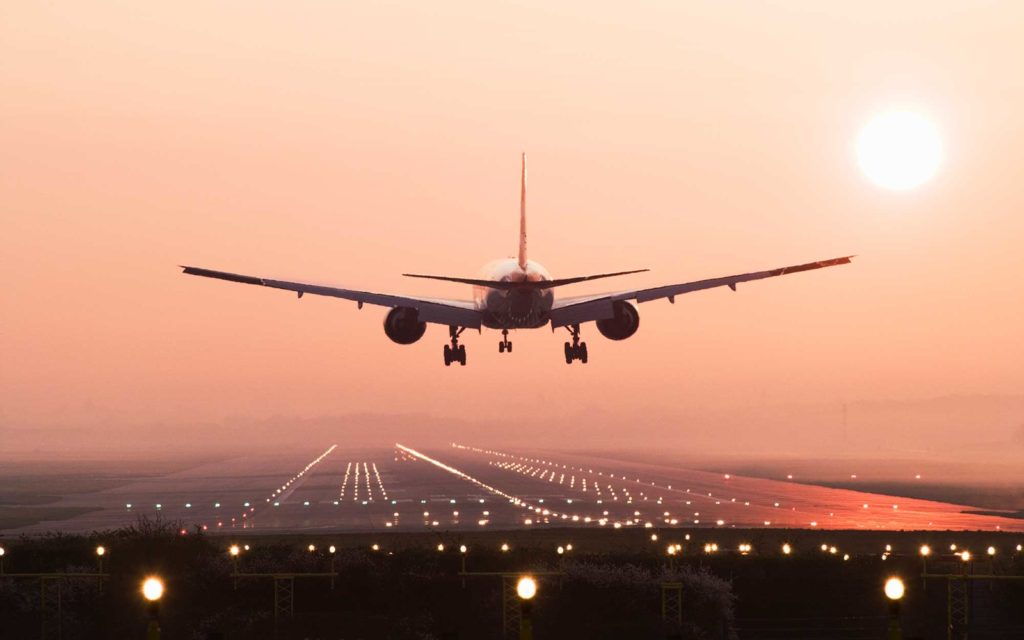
522	218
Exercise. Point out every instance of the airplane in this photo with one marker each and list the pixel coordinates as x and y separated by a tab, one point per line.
515	293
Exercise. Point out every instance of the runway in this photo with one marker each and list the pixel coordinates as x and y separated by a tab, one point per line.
461	487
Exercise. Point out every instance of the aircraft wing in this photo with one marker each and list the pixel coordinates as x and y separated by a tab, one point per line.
567	311
461	313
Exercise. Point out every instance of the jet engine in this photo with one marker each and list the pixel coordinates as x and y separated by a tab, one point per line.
623	324
403	325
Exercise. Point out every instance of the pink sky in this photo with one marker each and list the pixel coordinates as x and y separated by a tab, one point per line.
348	142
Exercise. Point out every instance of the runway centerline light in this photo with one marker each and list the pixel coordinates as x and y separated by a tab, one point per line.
526	588
152	589
894	588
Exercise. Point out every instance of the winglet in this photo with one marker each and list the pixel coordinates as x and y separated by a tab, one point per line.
522	216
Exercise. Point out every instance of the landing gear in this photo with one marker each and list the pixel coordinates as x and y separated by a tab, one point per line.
504	345
455	352
576	350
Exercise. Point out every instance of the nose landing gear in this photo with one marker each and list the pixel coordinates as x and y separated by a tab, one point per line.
504	345
577	350
455	352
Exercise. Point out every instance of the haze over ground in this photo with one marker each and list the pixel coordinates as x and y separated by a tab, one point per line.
346	143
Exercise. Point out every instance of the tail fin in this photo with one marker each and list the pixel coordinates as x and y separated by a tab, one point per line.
522	218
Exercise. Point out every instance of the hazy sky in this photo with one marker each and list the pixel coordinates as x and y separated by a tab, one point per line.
348	142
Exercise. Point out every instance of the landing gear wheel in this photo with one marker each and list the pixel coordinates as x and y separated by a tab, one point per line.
504	345
576	350
455	352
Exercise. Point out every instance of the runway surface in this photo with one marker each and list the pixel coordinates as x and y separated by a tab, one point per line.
459	487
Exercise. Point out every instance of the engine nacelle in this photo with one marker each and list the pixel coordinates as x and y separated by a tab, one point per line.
623	324
403	325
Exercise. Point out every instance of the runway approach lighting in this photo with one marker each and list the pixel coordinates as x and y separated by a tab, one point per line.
894	590
965	555
786	549
526	588
153	589
925	551
101	551
234	550
991	551
504	547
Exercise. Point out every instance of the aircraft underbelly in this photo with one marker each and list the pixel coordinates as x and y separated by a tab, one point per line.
517	309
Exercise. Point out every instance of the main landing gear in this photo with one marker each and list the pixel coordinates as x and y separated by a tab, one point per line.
577	350
455	352
504	345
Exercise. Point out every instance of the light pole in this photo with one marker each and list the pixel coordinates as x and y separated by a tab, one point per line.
152	591
332	549
100	552
462	557
526	589
234	552
925	551
894	592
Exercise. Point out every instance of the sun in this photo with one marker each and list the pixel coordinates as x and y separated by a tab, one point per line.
899	150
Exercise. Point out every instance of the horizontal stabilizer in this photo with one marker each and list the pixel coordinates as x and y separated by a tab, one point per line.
533	284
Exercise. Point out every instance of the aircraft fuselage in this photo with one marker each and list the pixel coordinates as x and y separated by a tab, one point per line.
526	308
